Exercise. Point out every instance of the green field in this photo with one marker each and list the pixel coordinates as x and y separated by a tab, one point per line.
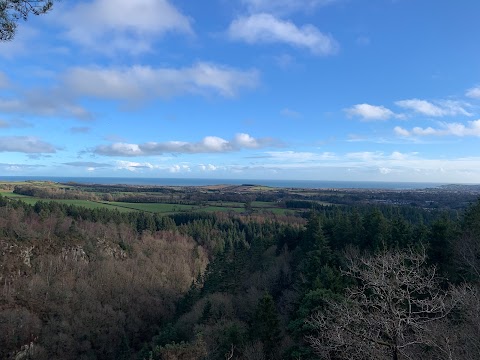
84	203
153	207
128	207
161	208
222	209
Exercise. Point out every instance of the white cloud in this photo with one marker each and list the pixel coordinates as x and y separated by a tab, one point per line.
245	141
370	112
87	164
299	156
209	144
473	93
439	109
284	6
119	149
131	85
122	25
446	129
25	144
266	28
19	167
401	131
179	168
384	170
208	167
133	166
144	82
44	102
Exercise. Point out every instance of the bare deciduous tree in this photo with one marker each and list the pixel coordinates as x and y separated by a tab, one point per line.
456	337
388	314
467	254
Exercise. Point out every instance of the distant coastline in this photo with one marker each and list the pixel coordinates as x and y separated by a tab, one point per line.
309	184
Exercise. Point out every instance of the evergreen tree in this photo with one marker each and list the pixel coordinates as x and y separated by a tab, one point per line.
266	326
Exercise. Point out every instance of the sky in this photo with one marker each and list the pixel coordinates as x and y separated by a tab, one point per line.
361	90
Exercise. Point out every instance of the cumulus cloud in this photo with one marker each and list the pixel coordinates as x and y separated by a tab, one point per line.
133	166
266	28
122	25
131	85
473	93
437	109
208	167
401	131
179	168
145	82
119	149
209	144
44	102
284	6
472	128
369	112
25	144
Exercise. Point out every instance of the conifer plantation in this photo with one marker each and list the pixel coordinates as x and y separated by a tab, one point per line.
336	282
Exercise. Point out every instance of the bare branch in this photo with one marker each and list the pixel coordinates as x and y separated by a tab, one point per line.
388	314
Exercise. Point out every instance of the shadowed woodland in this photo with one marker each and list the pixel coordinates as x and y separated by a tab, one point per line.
344	283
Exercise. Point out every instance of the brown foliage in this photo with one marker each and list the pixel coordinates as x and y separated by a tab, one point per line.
87	287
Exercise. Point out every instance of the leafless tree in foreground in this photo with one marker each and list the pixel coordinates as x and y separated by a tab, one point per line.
388	315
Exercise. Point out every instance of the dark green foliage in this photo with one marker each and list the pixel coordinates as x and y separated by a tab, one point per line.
266	326
265	275
440	251
471	221
376	231
312	301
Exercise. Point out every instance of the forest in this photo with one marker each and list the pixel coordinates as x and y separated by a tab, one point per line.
367	280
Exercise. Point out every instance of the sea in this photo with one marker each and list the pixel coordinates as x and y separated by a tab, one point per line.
306	184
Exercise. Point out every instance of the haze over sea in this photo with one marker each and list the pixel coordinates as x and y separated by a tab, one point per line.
202	182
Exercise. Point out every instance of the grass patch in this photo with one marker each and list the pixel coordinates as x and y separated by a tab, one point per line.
154	207
222	209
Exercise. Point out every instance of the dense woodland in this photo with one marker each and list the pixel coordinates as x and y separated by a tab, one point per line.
337	282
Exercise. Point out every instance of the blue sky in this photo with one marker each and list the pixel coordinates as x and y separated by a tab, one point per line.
377	90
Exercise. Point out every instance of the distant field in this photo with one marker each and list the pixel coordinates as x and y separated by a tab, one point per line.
278	211
161	208
154	207
85	203
10	194
222	209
